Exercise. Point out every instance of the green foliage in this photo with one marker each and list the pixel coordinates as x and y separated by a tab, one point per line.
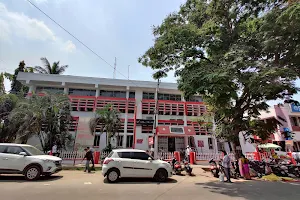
2	88
106	120
231	53
48	69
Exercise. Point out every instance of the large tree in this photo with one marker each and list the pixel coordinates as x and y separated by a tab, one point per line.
229	52
2	88
55	68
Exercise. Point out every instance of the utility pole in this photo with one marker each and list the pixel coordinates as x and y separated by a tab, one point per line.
128	71
115	68
155	137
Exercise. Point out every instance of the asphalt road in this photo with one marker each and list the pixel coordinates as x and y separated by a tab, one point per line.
76	185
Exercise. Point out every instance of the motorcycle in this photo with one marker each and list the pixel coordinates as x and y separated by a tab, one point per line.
187	167
285	168
214	168
176	166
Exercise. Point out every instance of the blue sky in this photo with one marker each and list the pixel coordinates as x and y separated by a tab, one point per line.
112	28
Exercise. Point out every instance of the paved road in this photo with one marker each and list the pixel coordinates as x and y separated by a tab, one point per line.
76	185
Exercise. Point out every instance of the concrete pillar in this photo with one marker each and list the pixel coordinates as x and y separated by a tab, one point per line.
66	90
126	120
97	90
156	147
31	89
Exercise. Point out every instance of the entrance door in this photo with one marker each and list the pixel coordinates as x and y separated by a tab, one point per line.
171	144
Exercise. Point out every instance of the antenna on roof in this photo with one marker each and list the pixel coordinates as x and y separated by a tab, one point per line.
115	68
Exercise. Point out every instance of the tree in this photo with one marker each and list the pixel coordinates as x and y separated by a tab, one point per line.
217	49
2	88
48	69
16	86
107	119
48	117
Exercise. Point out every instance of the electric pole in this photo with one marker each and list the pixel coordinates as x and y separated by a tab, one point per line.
115	68
155	137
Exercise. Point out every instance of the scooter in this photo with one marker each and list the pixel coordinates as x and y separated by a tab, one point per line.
187	167
177	169
214	168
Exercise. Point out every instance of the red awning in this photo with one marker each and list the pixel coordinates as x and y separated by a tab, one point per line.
175	130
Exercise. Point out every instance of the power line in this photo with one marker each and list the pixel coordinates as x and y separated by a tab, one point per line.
75	38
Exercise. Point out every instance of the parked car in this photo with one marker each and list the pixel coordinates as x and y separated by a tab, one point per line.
134	163
27	160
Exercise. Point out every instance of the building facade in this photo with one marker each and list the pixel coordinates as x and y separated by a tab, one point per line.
136	102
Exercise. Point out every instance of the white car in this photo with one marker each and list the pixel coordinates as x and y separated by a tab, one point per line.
27	160
134	163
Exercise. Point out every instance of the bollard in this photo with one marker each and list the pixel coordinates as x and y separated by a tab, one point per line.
290	154
192	157
177	156
96	157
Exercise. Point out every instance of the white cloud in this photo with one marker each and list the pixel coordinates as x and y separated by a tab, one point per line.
69	47
21	25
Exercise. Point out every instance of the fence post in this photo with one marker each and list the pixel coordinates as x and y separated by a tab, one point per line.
96	157
192	157
177	156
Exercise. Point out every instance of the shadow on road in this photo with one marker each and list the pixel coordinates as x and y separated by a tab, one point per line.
253	190
140	181
21	179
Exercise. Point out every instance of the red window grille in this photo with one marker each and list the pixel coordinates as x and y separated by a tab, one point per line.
83	103
148	107
117	103
130	125
195	109
200	130
170	108
121	130
170	122
131	105
147	129
74	124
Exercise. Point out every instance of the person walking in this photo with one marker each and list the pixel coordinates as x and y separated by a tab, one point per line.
93	161
188	150
226	165
244	167
88	156
54	150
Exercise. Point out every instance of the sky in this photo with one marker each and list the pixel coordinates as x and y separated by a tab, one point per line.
111	28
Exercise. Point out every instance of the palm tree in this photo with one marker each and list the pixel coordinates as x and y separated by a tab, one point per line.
48	69
107	120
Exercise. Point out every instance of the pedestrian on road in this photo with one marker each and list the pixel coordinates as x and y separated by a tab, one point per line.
188	150
88	156
93	162
226	165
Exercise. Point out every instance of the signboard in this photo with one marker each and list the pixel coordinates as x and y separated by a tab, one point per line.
144	122
139	141
176	130
295	108
200	143
150	141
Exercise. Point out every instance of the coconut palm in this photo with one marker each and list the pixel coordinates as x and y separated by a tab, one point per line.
48	69
106	120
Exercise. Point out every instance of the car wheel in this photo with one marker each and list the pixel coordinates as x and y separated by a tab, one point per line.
113	175
32	173
161	175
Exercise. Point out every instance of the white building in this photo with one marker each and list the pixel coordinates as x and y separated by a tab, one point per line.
136	102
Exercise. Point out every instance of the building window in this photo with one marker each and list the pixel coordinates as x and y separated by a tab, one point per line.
195	109
148	107
74	124
172	97
147	129
82	104
130	106
119	105
129	141
130	125
195	99
210	143
50	90
116	94
200	130
97	140
165	108
82	92
170	122
120	140
148	95
131	95
294	121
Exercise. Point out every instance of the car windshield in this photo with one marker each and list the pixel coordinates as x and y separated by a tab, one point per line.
33	151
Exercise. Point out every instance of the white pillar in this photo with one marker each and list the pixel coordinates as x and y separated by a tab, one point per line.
125	121
31	89
156	147
66	90
97	90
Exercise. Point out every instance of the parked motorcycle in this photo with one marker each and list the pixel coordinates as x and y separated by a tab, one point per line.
285	168
187	167
176	166
214	169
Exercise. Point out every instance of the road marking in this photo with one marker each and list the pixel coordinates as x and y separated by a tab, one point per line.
87	183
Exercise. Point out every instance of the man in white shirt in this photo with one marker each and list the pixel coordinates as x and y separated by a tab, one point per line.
226	165
54	150
187	152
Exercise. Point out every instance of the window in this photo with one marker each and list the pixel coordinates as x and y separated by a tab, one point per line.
124	155
176	130
147	129
74	124
120	105
198	129
120	140
110	154
50	90
97	141
294	121
140	155
148	107
148	95
2	148
117	94
172	97
82	92
82	104
195	109
130	125
166	108
129	141
14	150
130	106
210	143
195	99
131	95
170	122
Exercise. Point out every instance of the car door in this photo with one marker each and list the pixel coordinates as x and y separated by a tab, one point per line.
12	160
142	166
3	160
125	164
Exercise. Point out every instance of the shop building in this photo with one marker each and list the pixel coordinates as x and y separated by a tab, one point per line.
136	101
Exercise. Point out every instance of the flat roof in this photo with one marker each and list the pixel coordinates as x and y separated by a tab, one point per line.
29	78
